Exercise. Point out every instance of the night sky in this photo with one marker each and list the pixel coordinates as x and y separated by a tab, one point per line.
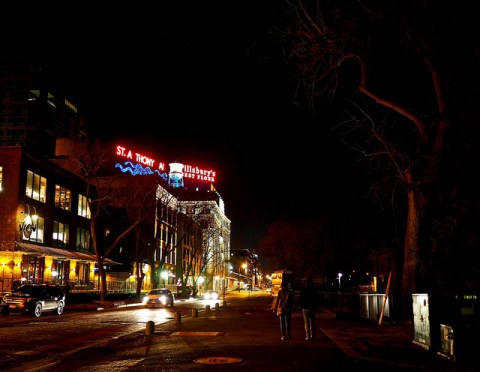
199	83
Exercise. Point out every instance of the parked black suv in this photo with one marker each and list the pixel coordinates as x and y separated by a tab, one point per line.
34	299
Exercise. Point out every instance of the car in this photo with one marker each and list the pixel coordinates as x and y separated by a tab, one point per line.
34	299
210	295
161	297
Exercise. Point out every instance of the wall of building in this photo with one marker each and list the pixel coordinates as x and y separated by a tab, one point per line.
10	161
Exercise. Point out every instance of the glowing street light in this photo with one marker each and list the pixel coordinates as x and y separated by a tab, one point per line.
339	292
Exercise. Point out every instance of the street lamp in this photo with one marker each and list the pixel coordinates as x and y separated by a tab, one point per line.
339	292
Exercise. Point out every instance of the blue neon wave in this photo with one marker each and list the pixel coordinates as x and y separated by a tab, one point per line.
138	170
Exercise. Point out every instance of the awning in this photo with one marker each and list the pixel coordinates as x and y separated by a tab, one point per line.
60	254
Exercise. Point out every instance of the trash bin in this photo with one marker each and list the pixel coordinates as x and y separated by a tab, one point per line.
447	324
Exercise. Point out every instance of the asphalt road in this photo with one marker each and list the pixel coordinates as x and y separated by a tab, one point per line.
240	333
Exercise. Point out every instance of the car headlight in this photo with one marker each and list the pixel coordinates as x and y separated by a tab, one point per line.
145	300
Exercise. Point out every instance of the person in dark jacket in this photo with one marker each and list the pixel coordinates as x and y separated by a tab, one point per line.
283	307
309	302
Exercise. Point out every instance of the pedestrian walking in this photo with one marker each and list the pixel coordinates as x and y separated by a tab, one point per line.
308	303
283	307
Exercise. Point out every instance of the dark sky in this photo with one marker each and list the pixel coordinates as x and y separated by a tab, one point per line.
203	83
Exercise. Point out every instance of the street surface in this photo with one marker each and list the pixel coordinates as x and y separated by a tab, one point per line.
240	334
27	343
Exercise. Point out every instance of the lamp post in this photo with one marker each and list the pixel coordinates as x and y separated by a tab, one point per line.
339	290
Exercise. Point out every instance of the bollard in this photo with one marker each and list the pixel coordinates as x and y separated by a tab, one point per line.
217	306
194	313
150	330
207	310
178	318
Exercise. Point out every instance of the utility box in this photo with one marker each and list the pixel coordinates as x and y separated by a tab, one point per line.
447	324
421	320
446	341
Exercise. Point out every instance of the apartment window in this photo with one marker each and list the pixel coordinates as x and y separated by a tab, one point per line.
83	209
1	178
60	234
36	186
62	197
83	239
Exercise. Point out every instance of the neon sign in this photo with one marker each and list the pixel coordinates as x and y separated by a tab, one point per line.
139	158
186	171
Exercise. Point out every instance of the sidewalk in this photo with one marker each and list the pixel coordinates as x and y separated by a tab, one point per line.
245	335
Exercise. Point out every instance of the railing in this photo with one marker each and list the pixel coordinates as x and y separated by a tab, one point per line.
116	286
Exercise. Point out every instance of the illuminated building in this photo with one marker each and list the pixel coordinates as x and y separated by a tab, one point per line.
45	230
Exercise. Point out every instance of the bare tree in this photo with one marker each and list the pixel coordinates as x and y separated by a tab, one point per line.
401	66
191	232
143	252
165	237
209	250
303	246
192	262
107	190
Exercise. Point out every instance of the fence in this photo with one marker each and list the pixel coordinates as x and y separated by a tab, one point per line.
371	306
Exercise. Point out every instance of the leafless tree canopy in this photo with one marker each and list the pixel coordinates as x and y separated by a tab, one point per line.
403	72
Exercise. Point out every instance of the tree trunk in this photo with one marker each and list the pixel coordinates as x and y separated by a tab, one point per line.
103	280
101	271
140	278
139	271
416	204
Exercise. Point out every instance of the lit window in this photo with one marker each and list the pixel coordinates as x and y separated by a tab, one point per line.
83	239
83	208
62	197
60	234
36	187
